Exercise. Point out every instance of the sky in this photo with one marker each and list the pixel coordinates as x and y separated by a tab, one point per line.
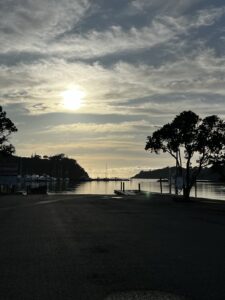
93	78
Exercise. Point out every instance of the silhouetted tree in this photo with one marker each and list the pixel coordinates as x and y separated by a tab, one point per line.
188	138
57	157
6	128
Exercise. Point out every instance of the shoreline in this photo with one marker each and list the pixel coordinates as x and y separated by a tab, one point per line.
148	196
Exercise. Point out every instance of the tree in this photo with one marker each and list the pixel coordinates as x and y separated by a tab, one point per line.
6	128
189	138
58	157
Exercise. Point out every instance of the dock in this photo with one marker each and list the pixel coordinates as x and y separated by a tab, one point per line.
129	192
124	192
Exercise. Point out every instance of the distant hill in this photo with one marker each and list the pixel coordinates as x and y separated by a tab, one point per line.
155	174
55	166
212	173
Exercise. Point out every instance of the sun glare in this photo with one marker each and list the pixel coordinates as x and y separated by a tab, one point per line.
73	98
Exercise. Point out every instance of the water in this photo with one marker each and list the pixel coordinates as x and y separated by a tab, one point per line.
204	189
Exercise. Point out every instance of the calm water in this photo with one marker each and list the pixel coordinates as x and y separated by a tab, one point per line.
204	189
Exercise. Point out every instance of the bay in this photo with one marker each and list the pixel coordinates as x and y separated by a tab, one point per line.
210	190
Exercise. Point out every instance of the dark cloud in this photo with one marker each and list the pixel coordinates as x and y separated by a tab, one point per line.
51	119
14	58
175	98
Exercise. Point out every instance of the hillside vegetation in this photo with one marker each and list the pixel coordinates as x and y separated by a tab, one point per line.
213	173
55	166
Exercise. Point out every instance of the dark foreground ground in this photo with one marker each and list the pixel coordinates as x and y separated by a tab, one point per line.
87	247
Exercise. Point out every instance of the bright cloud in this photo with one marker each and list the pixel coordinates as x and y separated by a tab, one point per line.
147	61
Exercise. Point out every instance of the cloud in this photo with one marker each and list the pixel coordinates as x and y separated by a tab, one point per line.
163	28
172	7
123	127
36	29
95	43
28	25
208	17
139	62
40	85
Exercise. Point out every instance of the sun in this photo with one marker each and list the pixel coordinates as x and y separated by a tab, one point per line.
73	98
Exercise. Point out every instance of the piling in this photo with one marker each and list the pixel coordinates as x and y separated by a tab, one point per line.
196	189
170	186
139	187
175	187
170	183
160	180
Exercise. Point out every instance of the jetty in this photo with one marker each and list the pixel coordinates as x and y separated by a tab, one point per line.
125	192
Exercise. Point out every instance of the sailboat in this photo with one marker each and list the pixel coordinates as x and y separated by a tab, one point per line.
106	174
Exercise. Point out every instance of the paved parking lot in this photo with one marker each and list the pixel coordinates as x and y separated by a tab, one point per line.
90	247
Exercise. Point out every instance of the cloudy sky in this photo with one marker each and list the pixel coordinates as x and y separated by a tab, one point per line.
93	78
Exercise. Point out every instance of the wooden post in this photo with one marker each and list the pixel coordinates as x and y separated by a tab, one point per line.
160	180
175	186
169	178
139	187
196	190
176	189
121	185
170	185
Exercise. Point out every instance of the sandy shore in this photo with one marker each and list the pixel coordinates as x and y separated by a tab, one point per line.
89	247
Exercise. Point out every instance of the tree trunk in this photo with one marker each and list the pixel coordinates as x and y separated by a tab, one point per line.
187	187
187	191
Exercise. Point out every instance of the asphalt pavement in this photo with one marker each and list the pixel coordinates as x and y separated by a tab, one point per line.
106	247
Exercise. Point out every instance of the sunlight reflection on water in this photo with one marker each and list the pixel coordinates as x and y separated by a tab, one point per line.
204	189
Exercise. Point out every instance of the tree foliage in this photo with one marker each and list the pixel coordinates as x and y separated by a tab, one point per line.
189	138
59	168
6	128
57	157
